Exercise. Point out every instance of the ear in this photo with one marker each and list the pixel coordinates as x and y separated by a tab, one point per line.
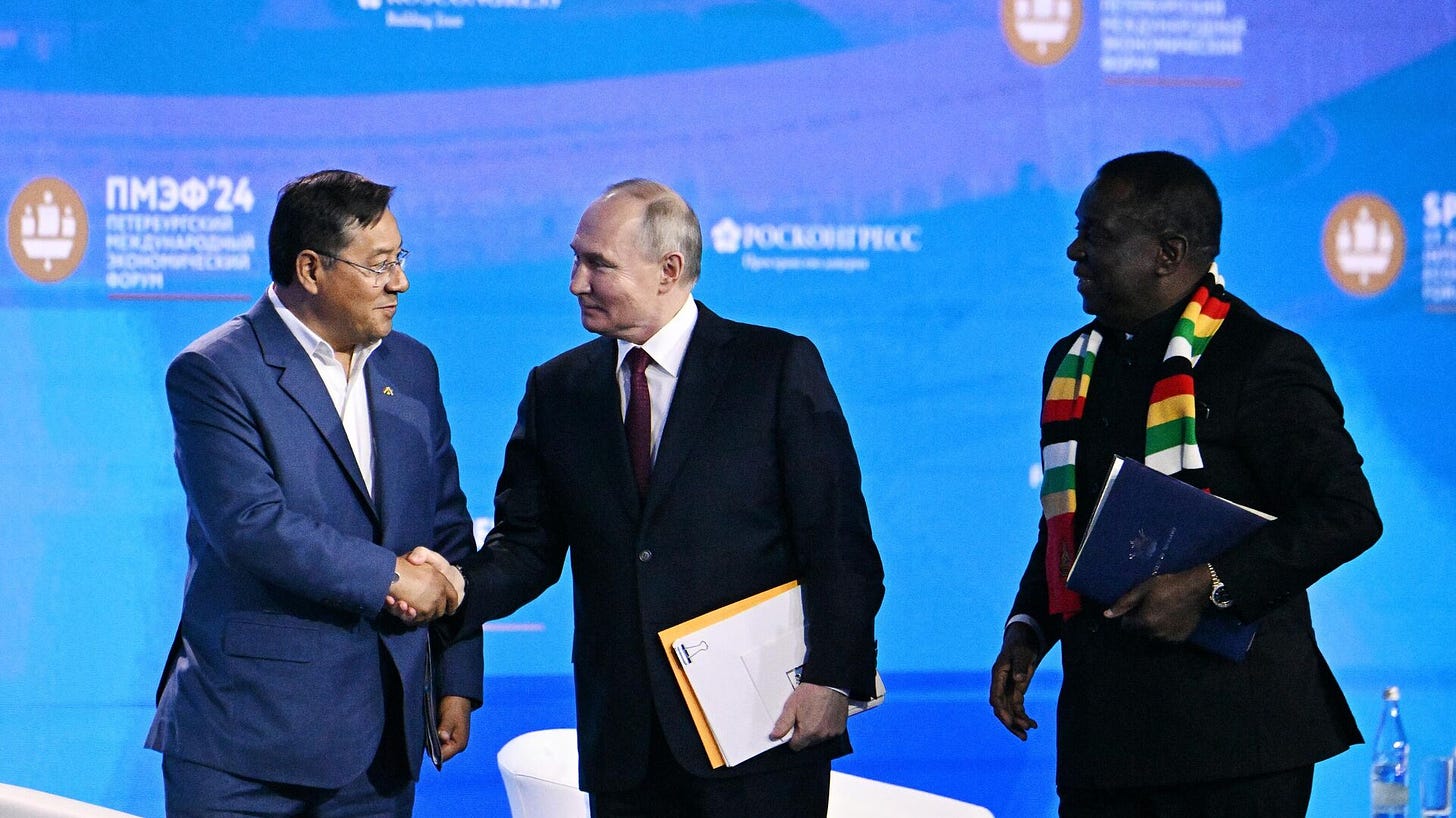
1172	253
671	272
306	266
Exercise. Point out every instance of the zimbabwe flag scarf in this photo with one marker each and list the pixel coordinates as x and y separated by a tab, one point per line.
1172	446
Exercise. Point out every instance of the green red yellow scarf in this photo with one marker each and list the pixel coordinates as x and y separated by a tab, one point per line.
1172	446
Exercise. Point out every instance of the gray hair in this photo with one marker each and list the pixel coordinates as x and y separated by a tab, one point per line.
668	223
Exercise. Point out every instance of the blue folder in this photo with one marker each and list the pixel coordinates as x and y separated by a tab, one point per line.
1147	523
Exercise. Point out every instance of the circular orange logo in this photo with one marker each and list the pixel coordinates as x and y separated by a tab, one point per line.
1041	32
46	230
1364	244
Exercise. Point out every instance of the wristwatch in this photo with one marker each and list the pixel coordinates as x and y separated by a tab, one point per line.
1219	594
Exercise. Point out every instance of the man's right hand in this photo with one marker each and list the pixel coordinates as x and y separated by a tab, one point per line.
1011	676
421	593
424	556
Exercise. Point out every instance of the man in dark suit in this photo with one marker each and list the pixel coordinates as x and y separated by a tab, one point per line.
314	451
1148	724
727	469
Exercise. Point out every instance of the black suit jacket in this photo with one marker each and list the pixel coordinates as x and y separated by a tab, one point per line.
756	483
1271	430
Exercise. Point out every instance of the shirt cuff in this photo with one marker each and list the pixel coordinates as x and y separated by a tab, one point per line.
1035	628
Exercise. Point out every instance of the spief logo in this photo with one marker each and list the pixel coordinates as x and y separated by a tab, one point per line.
1041	32
1364	244
46	230
371	5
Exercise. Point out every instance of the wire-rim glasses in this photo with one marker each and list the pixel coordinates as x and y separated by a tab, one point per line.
380	273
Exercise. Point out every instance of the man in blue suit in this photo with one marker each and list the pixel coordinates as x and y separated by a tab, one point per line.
314	450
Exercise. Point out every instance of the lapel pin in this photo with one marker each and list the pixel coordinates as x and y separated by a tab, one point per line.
389	390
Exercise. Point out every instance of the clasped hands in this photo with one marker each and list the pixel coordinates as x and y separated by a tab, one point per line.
428	587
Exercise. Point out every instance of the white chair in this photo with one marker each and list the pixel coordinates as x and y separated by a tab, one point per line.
19	802
539	770
851	796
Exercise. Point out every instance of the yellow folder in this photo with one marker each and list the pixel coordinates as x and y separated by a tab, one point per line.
737	666
671	635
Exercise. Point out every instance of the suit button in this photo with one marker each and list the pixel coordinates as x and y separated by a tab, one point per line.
645	555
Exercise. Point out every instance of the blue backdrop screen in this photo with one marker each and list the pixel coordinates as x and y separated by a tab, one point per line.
894	180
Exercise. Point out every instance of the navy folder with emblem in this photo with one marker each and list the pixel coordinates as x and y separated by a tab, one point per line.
1147	523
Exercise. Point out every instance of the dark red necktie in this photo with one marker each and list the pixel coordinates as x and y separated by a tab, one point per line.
639	419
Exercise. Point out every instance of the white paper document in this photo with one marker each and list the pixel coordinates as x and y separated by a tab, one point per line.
742	663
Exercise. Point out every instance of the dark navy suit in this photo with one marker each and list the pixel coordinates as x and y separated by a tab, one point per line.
755	483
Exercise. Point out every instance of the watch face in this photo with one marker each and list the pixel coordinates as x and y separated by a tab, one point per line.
1220	596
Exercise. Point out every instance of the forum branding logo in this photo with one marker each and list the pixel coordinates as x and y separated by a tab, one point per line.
1363	244
46	230
817	247
729	236
1041	32
371	5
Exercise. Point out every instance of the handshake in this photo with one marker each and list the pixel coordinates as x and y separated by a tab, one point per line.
426	587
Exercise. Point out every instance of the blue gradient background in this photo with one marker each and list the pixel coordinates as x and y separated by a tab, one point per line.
498	134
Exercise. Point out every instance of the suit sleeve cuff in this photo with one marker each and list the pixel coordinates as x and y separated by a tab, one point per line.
1035	628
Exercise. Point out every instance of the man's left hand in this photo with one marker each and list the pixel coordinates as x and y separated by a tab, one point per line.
1166	607
814	713
454	726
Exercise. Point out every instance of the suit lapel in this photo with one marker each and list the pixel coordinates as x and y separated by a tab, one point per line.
699	381
386	420
300	380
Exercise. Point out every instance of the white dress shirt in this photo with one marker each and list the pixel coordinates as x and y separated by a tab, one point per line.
347	389
666	348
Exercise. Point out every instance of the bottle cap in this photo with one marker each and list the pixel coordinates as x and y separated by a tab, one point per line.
1392	694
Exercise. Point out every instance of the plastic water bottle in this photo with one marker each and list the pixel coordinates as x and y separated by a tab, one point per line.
1389	791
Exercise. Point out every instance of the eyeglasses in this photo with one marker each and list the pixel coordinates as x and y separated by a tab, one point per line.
379	274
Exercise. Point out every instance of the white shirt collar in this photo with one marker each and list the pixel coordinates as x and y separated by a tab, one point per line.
347	390
668	345
313	343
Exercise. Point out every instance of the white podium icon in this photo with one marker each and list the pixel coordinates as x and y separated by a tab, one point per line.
48	231
1364	246
1043	22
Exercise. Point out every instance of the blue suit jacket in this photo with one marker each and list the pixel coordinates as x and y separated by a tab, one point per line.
278	674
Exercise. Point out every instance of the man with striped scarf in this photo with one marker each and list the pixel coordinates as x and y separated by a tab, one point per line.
1176	372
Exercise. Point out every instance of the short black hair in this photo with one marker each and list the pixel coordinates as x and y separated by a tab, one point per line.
1171	194
320	212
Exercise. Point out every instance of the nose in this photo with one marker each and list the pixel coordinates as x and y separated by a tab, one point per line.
1075	251
578	285
398	282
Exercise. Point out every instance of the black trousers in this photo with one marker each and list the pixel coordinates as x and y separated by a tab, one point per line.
1283	794
671	792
